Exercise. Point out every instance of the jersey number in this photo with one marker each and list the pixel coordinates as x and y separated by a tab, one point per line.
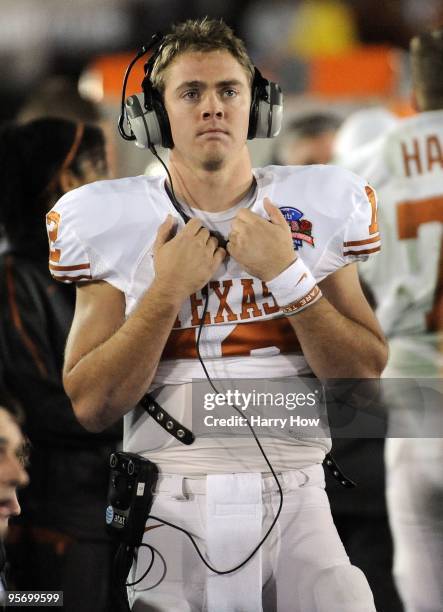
410	215
373	228
53	220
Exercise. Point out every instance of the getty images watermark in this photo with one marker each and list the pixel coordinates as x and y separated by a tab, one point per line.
306	407
273	407
260	399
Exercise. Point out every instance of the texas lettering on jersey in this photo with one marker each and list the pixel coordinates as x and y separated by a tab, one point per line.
243	326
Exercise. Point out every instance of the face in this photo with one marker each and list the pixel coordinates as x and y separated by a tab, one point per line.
207	97
309	150
92	171
12	472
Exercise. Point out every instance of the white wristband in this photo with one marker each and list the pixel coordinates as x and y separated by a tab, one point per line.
295	287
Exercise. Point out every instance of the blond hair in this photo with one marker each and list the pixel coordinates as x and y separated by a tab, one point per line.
199	35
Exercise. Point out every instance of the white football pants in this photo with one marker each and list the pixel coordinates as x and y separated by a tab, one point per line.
414	479
302	566
415	503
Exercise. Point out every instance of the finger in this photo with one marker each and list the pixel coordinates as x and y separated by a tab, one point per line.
237	225
219	256
193	226
203	235
230	247
233	234
245	215
165	232
275	214
212	244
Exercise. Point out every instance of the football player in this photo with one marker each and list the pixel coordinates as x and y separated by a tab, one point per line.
406	167
283	301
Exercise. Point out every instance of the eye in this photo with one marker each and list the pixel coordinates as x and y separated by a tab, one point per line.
191	94
230	93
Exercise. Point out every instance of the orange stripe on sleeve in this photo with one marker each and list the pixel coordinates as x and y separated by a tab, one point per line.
84	266
362	252
72	278
360	242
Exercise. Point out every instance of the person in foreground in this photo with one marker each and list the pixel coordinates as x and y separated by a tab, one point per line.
13	475
280	304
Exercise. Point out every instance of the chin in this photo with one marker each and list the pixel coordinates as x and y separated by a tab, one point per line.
213	163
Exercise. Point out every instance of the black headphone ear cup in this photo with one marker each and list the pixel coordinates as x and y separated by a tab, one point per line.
156	117
266	115
163	120
253	112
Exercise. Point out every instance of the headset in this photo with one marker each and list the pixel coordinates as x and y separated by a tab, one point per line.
148	120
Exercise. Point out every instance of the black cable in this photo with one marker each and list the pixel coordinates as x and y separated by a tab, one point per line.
205	292
151	516
121	119
120	570
130	584
208	565
155	40
176	204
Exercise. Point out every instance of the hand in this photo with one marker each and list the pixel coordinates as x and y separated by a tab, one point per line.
184	263
263	248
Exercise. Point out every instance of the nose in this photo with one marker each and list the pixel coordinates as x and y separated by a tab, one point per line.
212	106
15	506
15	473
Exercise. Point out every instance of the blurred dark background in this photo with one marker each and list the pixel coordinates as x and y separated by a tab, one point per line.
39	38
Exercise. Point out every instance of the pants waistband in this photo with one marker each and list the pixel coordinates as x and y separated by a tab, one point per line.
179	486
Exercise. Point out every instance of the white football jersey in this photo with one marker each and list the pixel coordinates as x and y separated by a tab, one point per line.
106	231
406	168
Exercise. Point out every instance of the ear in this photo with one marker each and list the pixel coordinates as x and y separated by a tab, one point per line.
68	181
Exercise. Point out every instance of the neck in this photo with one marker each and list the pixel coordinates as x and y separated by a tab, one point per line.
212	191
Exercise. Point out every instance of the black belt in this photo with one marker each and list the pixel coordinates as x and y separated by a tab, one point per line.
165	420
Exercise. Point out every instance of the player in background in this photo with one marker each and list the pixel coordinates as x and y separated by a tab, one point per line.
279	298
360	129
307	139
360	514
406	168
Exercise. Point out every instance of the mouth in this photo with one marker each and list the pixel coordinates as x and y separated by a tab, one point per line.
5	508
214	132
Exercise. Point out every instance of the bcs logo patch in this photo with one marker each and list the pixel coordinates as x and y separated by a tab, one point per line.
301	229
